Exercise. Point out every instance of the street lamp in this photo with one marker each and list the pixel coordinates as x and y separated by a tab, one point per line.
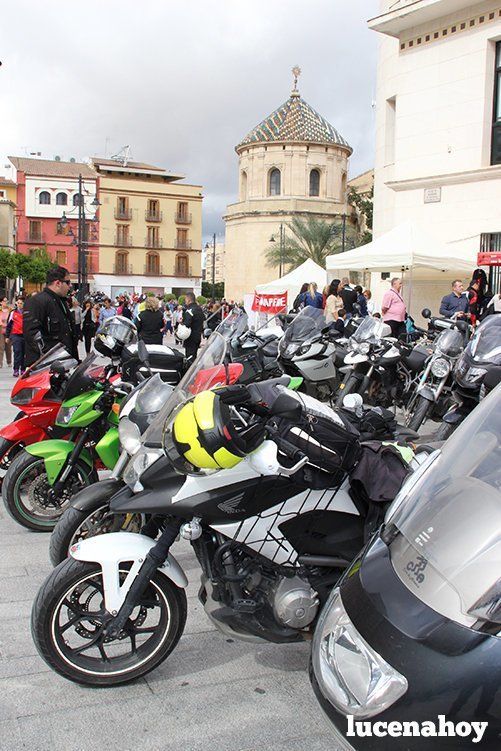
282	243
207	247
81	240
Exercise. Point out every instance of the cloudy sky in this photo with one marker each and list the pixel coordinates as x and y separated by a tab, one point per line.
180	81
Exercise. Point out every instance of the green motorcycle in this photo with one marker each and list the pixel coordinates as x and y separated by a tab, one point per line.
43	477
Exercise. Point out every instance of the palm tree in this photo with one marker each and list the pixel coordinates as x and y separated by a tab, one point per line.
310	238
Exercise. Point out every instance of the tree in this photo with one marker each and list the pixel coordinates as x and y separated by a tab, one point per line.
364	206
310	238
34	268
8	264
218	290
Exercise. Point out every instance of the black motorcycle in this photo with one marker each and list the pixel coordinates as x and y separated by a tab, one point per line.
477	372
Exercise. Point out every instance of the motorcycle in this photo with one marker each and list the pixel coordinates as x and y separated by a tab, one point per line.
313	351
43	476
89	513
270	489
410	634
477	372
257	350
38	394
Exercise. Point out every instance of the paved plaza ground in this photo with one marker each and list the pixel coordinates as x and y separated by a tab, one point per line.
212	694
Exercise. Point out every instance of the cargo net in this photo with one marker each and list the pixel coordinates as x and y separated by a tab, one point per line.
262	533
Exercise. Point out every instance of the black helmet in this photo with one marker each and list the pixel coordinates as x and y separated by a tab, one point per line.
114	335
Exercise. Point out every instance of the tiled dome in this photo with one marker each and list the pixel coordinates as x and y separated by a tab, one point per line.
294	121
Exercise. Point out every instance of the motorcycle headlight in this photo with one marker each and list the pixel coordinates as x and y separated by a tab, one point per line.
139	464
130	435
352	676
25	396
440	367
65	414
289	350
364	348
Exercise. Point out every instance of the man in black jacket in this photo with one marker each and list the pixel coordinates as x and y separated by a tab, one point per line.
194	318
46	317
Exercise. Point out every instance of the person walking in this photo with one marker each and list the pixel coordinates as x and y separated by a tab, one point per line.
334	302
313	297
47	317
107	311
193	318
393	308
151	322
456	303
5	344
89	320
14	333
348	295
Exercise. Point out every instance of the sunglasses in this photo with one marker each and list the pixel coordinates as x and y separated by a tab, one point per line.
66	281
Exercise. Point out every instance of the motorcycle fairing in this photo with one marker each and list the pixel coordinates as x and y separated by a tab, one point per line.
55	455
108	448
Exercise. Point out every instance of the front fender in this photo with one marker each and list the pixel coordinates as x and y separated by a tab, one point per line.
110	550
23	431
426	392
55	453
94	496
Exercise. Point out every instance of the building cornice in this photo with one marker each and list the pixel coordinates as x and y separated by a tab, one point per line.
410	13
452	178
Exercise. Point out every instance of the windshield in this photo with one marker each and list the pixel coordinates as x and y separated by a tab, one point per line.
235	323
153	395
84	377
370	330
449	546
450	343
309	322
201	375
485	345
56	354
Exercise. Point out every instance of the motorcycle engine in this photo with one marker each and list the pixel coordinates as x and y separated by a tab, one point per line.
295	603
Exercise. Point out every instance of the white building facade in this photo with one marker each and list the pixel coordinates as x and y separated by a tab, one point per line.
438	139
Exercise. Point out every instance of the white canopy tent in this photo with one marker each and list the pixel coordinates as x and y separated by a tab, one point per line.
411	252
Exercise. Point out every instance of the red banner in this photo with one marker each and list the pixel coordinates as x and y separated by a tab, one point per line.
489	259
265	303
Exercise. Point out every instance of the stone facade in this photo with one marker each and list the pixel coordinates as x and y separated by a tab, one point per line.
292	164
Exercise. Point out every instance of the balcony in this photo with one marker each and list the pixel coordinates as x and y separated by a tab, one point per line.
122	268
123	214
153	242
182	217
183	272
182	244
123	242
159	271
153	216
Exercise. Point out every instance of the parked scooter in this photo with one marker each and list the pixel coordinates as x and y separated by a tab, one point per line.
477	372
273	491
38	394
411	634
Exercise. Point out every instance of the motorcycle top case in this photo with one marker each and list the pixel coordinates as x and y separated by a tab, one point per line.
168	362
332	449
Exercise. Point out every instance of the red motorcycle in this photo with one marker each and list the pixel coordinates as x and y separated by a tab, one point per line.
38	394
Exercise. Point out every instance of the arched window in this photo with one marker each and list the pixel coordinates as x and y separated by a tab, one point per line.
121	262
243	184
182	267
61	199
76	199
274	179
152	263
314	182
44	197
343	186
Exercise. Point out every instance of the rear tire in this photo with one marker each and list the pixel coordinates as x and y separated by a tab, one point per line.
31	511
73	589
445	430
419	415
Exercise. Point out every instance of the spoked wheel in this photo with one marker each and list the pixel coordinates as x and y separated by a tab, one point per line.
75	525
69	617
28	495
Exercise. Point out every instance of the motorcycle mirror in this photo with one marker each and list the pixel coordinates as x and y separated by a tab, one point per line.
57	368
462	326
426	313
286	406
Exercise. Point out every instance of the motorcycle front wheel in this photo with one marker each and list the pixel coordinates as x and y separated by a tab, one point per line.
75	525
445	430
25	491
68	619
419	414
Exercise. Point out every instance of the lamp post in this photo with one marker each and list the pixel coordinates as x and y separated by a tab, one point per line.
282	244
81	240
207	247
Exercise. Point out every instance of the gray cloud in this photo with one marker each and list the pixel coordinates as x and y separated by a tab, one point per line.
181	82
